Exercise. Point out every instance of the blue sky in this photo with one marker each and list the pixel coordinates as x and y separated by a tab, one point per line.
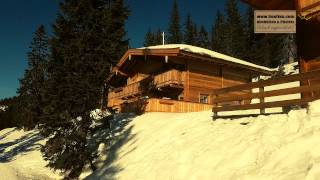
20	18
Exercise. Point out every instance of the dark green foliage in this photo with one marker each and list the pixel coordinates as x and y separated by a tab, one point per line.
10	114
158	37
31	85
196	34
189	36
235	30
218	37
289	48
153	38
203	39
149	39
88	39
174	30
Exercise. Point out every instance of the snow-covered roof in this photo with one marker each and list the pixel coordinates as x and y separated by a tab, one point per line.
207	52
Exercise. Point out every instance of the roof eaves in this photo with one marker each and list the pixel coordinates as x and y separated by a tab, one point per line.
208	58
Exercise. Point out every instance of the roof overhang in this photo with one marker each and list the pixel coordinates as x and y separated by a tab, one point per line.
146	52
272	4
218	61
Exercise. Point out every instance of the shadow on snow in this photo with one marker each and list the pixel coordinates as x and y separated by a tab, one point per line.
24	144
120	134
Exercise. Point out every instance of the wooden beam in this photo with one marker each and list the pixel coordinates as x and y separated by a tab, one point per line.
149	52
186	84
264	105
122	73
261	100
279	92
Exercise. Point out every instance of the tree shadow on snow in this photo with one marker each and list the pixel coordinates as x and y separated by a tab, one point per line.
24	144
120	134
7	133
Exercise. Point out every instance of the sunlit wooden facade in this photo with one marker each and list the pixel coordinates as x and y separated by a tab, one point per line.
172	80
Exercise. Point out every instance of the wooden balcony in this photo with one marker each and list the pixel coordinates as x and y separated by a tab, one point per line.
172	78
126	92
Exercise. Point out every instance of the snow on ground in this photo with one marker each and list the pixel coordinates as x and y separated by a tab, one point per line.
192	146
207	52
188	146
20	157
98	114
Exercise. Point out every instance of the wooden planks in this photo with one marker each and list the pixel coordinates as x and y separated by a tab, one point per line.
278	92
172	77
161	105
269	82
305	88
265	105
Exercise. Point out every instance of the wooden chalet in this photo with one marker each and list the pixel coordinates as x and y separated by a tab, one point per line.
174	78
308	30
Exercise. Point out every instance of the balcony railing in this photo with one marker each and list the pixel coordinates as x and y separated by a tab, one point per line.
123	92
170	78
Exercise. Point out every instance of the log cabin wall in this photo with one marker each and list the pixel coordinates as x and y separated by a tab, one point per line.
203	77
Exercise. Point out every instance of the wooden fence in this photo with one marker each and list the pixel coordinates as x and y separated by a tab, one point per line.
223	100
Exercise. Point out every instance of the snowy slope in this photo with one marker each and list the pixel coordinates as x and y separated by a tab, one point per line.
190	146
207	52
20	157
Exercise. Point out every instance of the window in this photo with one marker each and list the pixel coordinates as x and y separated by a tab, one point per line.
204	98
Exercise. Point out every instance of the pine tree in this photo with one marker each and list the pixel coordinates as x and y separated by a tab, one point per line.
88	39
153	38
252	39
235	30
218	37
203	40
158	37
149	39
196	35
279	49
289	48
174	30
31	85
189	36
11	115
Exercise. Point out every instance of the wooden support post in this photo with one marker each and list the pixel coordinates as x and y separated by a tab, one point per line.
311	92
186	84
262	110
215	113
